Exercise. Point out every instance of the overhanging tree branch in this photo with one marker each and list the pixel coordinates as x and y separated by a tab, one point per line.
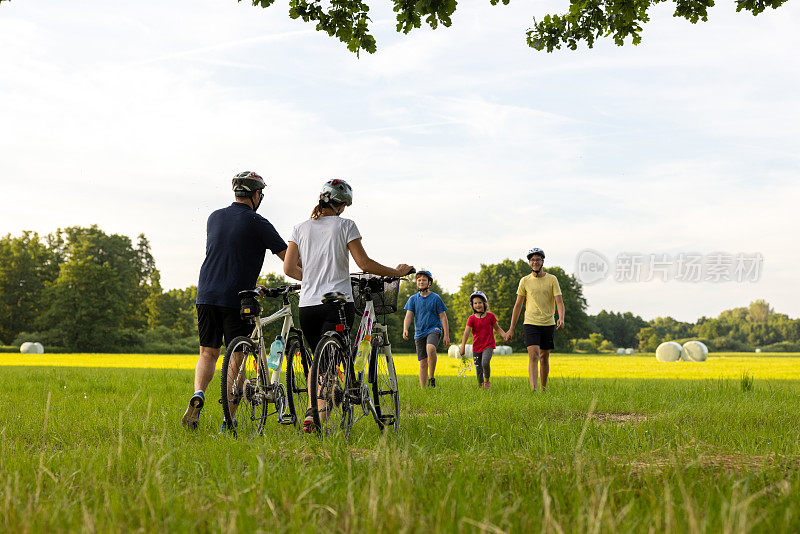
585	22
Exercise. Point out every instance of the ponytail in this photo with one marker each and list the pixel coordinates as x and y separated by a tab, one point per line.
316	213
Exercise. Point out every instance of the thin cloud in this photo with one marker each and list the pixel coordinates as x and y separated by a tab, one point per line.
284	36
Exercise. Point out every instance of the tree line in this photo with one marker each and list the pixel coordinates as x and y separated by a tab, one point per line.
81	289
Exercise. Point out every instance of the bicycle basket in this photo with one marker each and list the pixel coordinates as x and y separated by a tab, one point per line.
383	298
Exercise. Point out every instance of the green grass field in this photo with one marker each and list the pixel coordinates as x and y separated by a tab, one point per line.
101	449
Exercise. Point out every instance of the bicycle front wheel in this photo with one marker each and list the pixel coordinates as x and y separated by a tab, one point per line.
244	396
330	406
383	382
298	364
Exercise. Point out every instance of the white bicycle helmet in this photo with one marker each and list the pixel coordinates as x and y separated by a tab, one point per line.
535	252
481	295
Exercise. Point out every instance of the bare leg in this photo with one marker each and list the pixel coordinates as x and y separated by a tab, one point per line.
423	373
203	373
431	360
533	366
235	379
204	370
544	362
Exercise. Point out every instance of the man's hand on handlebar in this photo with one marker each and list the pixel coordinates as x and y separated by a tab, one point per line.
404	270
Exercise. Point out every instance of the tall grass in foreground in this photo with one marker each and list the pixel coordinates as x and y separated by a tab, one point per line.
103	450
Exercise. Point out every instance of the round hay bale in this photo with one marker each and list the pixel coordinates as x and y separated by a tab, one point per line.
629	351
695	351
669	351
620	351
758	350
468	351
453	351
31	348
509	350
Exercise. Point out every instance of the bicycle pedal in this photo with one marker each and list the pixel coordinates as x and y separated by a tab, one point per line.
287	420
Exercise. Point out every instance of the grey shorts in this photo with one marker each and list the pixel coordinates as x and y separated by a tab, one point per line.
422	343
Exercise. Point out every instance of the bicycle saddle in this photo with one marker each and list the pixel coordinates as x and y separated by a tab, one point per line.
334	298
249	293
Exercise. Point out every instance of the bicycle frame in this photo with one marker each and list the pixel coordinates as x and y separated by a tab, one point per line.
368	325
284	313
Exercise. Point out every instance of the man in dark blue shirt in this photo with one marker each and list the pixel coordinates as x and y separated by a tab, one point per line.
236	243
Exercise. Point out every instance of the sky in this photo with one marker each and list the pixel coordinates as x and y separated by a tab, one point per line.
463	146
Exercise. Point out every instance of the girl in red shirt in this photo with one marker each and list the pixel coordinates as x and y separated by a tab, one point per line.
482	324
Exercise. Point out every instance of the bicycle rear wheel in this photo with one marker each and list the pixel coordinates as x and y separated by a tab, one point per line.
330	406
298	364
243	382
383	382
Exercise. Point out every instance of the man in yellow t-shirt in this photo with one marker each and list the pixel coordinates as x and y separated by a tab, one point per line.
541	294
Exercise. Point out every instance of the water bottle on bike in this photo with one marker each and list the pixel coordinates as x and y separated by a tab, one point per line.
364	348
275	353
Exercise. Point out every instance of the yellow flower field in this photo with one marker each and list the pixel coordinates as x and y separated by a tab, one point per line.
640	366
722	365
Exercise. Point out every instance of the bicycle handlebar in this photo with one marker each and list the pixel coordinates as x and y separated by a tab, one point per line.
282	291
358	277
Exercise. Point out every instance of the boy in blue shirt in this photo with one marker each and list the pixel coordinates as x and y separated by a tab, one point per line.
430	325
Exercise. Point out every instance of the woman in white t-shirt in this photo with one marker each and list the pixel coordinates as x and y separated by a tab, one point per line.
318	255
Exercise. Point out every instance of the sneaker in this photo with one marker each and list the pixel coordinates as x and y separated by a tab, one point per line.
432	382
487	385
308	422
192	415
224	426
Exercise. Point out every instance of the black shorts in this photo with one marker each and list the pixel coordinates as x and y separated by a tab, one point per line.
542	336
423	342
318	319
216	322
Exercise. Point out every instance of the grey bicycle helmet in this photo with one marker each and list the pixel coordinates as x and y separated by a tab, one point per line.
535	252
337	191
245	183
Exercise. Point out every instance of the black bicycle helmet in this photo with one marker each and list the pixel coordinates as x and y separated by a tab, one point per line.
245	183
337	191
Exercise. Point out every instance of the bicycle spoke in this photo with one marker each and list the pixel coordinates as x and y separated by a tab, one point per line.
331	409
243	395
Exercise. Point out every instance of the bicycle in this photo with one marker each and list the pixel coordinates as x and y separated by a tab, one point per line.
338	388
246	381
